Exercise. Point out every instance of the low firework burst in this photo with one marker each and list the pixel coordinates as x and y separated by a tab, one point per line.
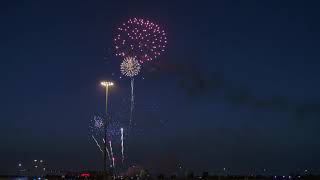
130	67
97	125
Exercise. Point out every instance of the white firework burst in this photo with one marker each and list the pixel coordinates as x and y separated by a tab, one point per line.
130	67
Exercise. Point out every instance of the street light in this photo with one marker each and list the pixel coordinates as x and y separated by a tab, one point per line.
106	84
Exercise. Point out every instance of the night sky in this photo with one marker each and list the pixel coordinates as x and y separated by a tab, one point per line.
238	86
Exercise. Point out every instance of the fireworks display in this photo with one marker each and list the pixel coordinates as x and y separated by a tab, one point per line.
97	129
114	134
130	67
137	41
141	39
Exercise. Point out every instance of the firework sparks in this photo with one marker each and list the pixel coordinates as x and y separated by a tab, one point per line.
113	130
141	39
97	125
130	67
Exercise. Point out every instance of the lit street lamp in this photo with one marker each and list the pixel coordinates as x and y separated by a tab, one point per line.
106	84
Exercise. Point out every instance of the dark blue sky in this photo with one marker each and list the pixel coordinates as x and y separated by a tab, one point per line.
237	87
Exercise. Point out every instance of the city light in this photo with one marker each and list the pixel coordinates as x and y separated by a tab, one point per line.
85	174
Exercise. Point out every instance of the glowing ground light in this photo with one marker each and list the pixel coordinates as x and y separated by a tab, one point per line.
141	39
85	174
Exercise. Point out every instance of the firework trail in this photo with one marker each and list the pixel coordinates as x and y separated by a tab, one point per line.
107	151
132	100
130	67
97	143
111	154
122	148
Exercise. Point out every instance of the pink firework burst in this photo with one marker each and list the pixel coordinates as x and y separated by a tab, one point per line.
141	39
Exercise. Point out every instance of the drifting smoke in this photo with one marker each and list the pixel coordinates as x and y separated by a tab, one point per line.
196	84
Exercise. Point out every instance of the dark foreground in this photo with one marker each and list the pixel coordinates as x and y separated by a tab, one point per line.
163	177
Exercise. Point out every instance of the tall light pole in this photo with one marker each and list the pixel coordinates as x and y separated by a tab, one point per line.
106	84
